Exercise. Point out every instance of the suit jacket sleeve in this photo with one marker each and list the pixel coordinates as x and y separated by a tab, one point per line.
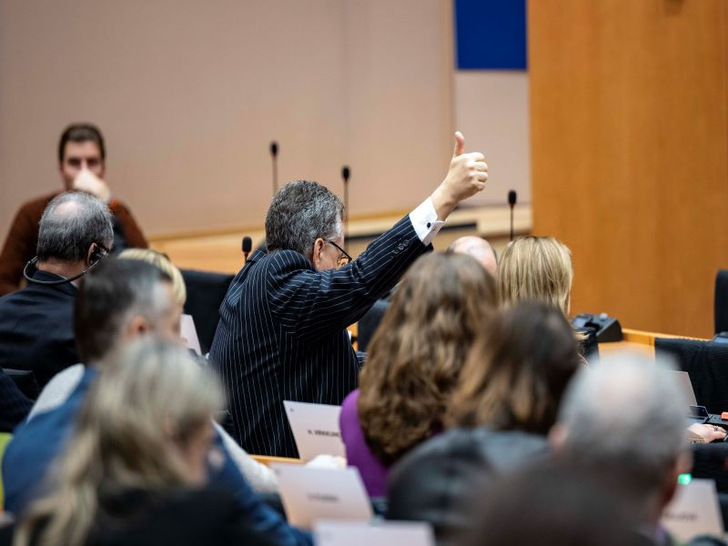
132	232
313	304
19	248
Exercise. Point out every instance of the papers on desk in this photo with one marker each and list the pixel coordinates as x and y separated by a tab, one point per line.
312	494
189	334
385	533
315	428
694	511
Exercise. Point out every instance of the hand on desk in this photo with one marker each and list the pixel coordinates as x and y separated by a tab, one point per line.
704	434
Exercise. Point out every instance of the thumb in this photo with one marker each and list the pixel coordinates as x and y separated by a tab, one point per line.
459	144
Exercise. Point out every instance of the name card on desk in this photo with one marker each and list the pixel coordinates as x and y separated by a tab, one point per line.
385	533
694	511
315	428
189	333
312	494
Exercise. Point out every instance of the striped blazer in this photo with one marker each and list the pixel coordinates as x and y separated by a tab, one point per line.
282	333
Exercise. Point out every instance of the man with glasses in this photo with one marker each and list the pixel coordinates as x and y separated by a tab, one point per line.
282	331
36	322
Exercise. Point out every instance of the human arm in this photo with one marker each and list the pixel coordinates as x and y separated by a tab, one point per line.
261	477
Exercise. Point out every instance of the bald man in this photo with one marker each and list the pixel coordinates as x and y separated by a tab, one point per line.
477	248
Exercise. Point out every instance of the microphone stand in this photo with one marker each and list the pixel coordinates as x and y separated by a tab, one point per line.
274	157
345	174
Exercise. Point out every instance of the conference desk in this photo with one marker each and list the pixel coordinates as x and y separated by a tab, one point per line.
636	340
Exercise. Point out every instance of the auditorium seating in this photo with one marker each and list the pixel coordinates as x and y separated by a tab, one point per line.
205	292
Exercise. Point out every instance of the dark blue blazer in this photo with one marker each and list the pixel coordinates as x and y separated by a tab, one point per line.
36	329
14	406
282	333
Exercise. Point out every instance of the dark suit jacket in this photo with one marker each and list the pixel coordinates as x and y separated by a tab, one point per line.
14	406
36	329
282	333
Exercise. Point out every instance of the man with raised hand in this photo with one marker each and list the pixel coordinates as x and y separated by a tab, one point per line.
282	330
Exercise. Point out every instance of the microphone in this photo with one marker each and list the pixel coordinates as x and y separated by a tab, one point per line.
274	158
345	174
247	246
512	203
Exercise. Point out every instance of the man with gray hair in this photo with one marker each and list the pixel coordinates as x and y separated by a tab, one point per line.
282	330
625	420
36	323
477	248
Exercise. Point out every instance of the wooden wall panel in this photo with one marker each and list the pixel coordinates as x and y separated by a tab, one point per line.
629	143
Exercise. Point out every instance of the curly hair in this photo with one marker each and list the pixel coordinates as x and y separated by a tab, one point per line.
418	350
517	373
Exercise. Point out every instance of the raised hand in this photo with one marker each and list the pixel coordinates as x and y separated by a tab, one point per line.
466	176
90	183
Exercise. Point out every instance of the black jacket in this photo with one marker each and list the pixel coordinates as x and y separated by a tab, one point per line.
442	479
36	329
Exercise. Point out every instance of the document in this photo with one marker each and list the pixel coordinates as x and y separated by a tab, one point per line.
384	533
313	494
694	511
189	334
315	428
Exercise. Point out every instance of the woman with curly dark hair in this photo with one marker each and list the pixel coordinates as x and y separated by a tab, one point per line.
414	362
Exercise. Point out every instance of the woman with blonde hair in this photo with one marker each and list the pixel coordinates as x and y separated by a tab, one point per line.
134	470
538	269
160	261
413	363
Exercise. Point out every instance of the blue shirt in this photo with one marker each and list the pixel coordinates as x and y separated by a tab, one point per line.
38	442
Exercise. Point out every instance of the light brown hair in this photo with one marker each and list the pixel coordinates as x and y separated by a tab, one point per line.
149	401
517	373
535	268
418	351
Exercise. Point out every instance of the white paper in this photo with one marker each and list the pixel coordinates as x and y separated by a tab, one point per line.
694	511
189	334
312	494
686	386
384	533
315	428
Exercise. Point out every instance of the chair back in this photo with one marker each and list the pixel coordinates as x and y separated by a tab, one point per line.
205	292
720	301
25	381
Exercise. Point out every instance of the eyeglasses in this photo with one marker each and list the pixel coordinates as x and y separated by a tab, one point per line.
343	258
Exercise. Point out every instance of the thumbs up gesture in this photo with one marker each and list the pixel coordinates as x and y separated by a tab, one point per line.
466	177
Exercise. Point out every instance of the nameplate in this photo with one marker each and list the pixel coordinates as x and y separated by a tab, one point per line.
188	332
694	511
384	533
312	494
315	428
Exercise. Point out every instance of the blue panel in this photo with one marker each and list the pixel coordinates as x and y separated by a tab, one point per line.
490	34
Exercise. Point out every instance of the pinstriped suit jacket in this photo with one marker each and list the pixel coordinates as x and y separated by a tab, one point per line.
282	333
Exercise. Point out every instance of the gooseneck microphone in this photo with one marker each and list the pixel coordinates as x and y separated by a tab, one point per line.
274	158
247	246
345	174
512	202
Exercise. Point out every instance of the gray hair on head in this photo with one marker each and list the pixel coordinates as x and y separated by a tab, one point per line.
300	213
70	224
628	414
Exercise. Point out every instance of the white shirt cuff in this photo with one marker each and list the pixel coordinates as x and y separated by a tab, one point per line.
424	220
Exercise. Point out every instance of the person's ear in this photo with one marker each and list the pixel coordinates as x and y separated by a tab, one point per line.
557	437
317	254
92	254
138	326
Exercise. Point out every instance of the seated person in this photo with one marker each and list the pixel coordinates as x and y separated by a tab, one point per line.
414	362
282	331
135	467
36	323
82	164
477	248
57	391
498	417
119	301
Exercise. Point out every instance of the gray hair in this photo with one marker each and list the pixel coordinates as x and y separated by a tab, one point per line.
627	414
70	224
300	213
